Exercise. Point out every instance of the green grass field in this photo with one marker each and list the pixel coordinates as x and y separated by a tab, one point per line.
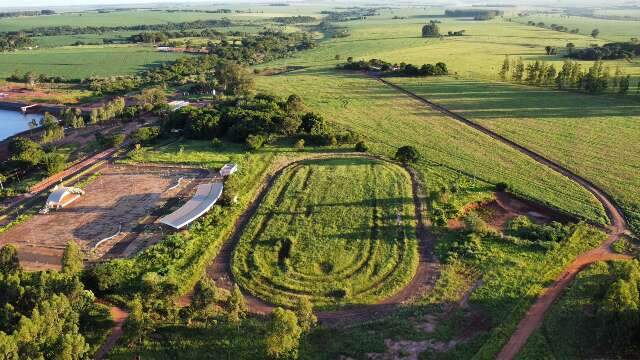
329	231
451	151
610	30
594	136
83	61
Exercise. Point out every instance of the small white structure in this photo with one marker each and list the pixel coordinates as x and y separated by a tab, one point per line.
178	104
205	197
228	169
62	196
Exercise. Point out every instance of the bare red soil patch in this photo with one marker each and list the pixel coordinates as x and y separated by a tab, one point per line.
123	200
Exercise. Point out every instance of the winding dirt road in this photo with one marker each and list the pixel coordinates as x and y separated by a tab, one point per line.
535	315
119	316
220	269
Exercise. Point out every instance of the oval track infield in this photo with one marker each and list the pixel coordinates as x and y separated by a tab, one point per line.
338	231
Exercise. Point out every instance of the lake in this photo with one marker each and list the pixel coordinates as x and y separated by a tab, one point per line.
13	122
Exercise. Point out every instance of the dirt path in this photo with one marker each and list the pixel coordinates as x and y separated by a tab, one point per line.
618	227
119	316
220	269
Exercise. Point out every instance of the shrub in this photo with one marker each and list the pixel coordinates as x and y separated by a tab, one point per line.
502	186
254	142
299	145
216	143
361	146
146	135
407	154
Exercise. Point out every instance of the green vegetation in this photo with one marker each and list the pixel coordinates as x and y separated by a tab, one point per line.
588	140
453	156
596	317
329	231
47	313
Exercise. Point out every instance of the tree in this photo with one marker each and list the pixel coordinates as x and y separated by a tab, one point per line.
54	162
407	154
137	324
234	78
236	306
299	145
623	85
313	123
295	103
204	293
304	311
570	46
518	70
9	262
72	259
53	131
25	150
431	30
152	96
284	333
595	33
504	70
361	146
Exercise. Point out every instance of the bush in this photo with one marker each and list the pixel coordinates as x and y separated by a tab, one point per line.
361	147
216	143
502	186
407	154
299	145
254	142
146	135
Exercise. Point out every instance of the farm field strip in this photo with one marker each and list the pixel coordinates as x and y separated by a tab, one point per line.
451	151
341	234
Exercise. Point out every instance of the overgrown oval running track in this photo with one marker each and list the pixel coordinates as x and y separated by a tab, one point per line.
338	231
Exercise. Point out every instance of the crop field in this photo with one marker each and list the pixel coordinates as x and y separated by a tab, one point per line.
587	134
451	152
337	231
610	30
477	54
83	61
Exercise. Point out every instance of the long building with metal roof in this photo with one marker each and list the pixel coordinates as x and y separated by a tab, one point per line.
205	197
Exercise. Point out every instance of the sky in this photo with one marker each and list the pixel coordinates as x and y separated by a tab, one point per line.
22	4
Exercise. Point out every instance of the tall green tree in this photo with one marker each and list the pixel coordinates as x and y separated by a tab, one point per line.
9	262
304	311
283	337
236	305
72	259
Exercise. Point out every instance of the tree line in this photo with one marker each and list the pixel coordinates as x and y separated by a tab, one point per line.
206	70
6	14
610	51
45	314
73	30
476	14
294	19
12	42
596	79
402	69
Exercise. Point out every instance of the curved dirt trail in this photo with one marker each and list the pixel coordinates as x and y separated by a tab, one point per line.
618	227
119	316
426	274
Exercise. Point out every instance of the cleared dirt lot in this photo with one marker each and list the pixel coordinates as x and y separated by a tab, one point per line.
123	201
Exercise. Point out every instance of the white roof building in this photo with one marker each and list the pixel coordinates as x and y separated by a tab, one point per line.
62	196
177	104
228	169
205	197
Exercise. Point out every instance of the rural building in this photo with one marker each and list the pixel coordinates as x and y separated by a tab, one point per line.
228	169
62	196
178	104
205	197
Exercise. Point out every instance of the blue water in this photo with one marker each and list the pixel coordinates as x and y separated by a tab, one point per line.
13	122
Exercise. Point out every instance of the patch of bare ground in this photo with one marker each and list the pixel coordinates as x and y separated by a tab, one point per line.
119	205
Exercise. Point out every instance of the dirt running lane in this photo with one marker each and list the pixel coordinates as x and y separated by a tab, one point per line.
426	274
535	315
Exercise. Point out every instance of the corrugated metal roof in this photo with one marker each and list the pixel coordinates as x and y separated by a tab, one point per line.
205	197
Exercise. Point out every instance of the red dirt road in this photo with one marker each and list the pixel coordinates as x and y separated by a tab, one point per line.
426	274
535	315
118	316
